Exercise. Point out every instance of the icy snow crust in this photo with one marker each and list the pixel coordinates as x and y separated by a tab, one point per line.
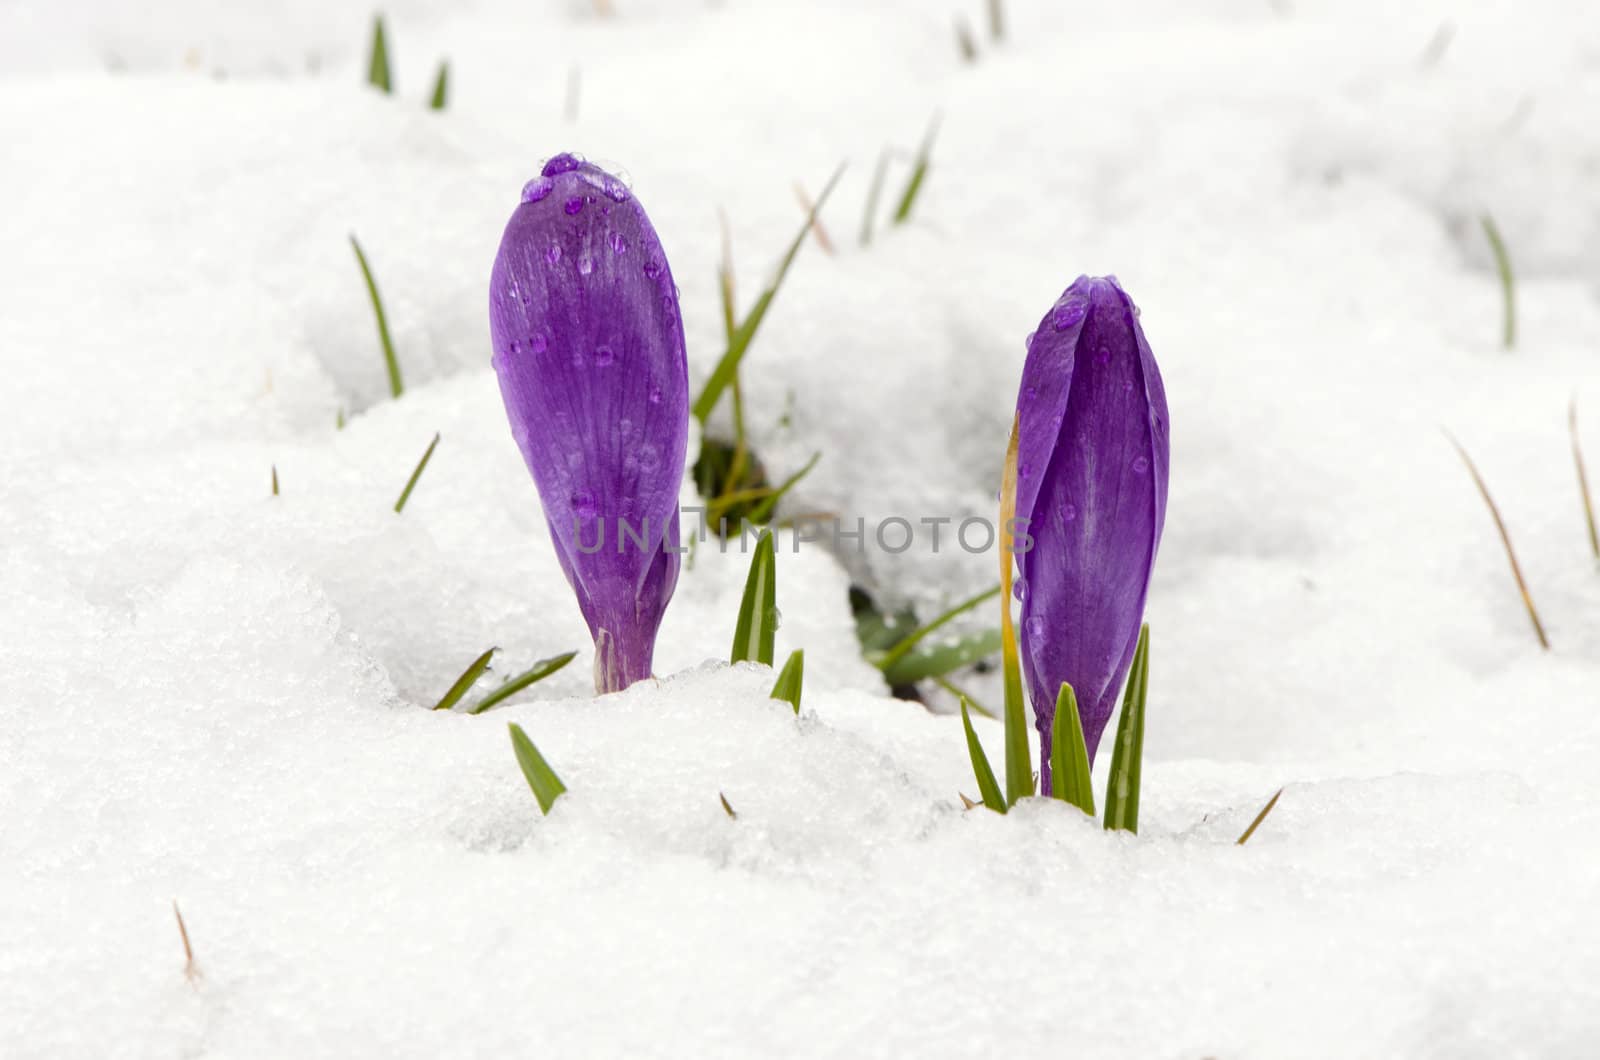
218	696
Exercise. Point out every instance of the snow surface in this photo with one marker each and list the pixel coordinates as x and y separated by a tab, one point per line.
214	695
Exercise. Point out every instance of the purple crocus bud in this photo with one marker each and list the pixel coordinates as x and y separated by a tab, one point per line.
588	345
1092	485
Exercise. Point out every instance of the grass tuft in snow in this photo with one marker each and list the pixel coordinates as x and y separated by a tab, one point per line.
416	473
191	971
1127	754
1019	760
762	512
1069	756
790	678
441	87
728	365
547	787
468	678
396	387
1262	816
1508	283
1505	539
1583	479
874	191
932	663
919	173
988	787
727	809
378	62
758	611
537	672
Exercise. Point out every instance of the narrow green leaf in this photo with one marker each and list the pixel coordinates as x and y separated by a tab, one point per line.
468	678
389	359
723	373
997	20
538	672
758	611
988	787
378	64
1127	756
762	512
547	787
1069	758
874	190
1508	284
790	679
961	693
943	659
903	647
919	172
274	480
1262	816
1019	759
441	87
416	473
727	809
964	42
338	420
1583	480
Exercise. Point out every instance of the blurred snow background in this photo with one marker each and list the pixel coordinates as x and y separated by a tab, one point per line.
211	694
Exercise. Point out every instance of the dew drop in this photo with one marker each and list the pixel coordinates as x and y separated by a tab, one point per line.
583	505
1034	626
1140	465
649	457
618	244
1102	355
775	618
585	266
1069	512
1024	470
615	189
1019	589
573	205
553	254
536	189
654	394
1027	343
562	163
1067	314
513	348
538	344
603	356
1032	392
652	268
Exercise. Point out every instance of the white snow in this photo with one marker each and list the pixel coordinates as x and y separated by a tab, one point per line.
213	695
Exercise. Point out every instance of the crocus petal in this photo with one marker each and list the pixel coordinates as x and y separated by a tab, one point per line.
588	347
1092	464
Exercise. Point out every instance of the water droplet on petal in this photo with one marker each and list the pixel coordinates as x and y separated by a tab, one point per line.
562	163
1019	589
536	189
649	457
585	266
1032	392
652	268
573	205
603	356
553	254
1140	465
654	394
583	505
1024	470
1034	626
618	244
614	188
1067	314
1102	355
538	344
1069	512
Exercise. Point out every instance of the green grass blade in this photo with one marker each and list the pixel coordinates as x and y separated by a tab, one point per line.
874	191
919	172
943	659
378	64
961	693
790	678
723	374
762	512
988	787
547	787
997	20
468	678
389	359
758	611
274	480
901	649
1127	756
1069	758
416	473
1019	759
1508	283
441	88
537	672
1262	816
1583	480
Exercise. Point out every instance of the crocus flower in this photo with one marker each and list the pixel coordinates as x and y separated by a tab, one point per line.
588	346
1092	485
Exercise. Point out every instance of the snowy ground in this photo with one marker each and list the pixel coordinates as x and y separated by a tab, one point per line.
214	695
